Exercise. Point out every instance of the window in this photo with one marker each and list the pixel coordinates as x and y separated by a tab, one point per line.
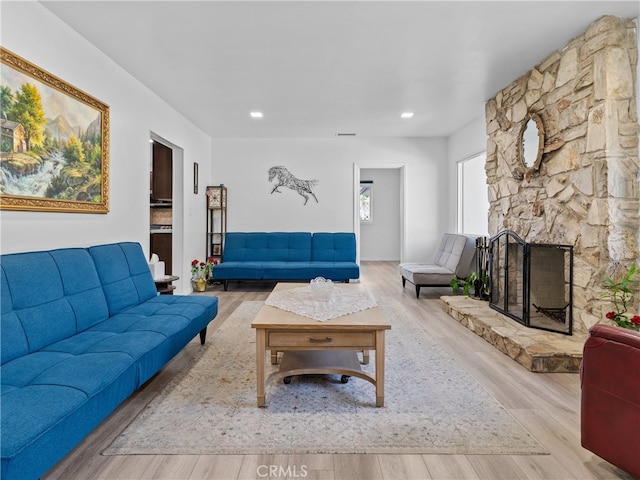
366	204
473	201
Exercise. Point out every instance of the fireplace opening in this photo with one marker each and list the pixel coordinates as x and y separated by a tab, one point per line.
532	282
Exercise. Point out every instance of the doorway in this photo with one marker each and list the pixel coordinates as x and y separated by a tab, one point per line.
166	204
381	236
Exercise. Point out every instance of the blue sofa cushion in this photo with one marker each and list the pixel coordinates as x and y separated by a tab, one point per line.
46	404
52	419
199	310
75	303
13	341
287	271
49	388
307	270
76	371
237	269
273	247
83	292
336	271
124	274
333	247
153	332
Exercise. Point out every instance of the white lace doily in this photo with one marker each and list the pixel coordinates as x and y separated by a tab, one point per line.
301	301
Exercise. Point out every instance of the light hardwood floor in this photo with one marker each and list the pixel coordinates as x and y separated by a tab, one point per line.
548	405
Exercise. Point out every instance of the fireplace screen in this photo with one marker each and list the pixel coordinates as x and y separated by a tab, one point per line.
532	282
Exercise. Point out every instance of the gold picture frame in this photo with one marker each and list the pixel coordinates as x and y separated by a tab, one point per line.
54	144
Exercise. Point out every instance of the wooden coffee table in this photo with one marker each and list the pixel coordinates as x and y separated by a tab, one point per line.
313	347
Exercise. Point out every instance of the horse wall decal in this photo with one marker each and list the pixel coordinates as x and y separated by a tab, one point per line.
284	178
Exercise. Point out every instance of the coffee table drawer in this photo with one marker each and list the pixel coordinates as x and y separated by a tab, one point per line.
324	339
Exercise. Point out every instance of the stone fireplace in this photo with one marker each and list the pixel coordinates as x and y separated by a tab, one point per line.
585	192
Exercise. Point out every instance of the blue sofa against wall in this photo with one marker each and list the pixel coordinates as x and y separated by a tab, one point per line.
81	329
288	256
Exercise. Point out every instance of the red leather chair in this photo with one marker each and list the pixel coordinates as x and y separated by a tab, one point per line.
610	405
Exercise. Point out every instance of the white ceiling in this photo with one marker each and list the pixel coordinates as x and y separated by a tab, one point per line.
315	68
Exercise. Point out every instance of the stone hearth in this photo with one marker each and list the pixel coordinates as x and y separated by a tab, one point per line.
536	350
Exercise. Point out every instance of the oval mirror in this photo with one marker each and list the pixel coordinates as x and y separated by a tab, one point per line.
531	142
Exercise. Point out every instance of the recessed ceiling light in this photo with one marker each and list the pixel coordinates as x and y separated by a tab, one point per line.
407	115
256	114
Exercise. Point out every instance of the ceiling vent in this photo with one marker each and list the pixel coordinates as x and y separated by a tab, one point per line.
342	134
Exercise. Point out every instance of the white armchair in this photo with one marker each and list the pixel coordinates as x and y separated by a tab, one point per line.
455	257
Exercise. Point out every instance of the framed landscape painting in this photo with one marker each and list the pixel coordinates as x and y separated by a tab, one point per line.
54	144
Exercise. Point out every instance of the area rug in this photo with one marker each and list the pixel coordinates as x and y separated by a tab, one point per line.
432	404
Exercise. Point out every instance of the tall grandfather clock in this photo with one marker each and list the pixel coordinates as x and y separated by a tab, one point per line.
216	220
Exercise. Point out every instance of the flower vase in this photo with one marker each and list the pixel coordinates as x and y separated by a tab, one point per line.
201	284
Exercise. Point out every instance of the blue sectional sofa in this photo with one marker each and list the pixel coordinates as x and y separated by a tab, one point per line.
287	256
81	329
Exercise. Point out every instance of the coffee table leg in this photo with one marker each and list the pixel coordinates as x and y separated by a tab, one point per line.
260	354
365	357
380	368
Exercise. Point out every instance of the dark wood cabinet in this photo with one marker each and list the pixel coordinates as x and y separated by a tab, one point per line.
162	172
162	244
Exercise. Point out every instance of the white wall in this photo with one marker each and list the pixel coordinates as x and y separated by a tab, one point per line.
467	141
243	164
135	113
380	239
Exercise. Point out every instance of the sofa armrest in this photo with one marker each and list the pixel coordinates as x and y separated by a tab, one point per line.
609	356
620	335
610	401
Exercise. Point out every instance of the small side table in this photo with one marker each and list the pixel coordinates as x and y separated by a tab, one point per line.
163	284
